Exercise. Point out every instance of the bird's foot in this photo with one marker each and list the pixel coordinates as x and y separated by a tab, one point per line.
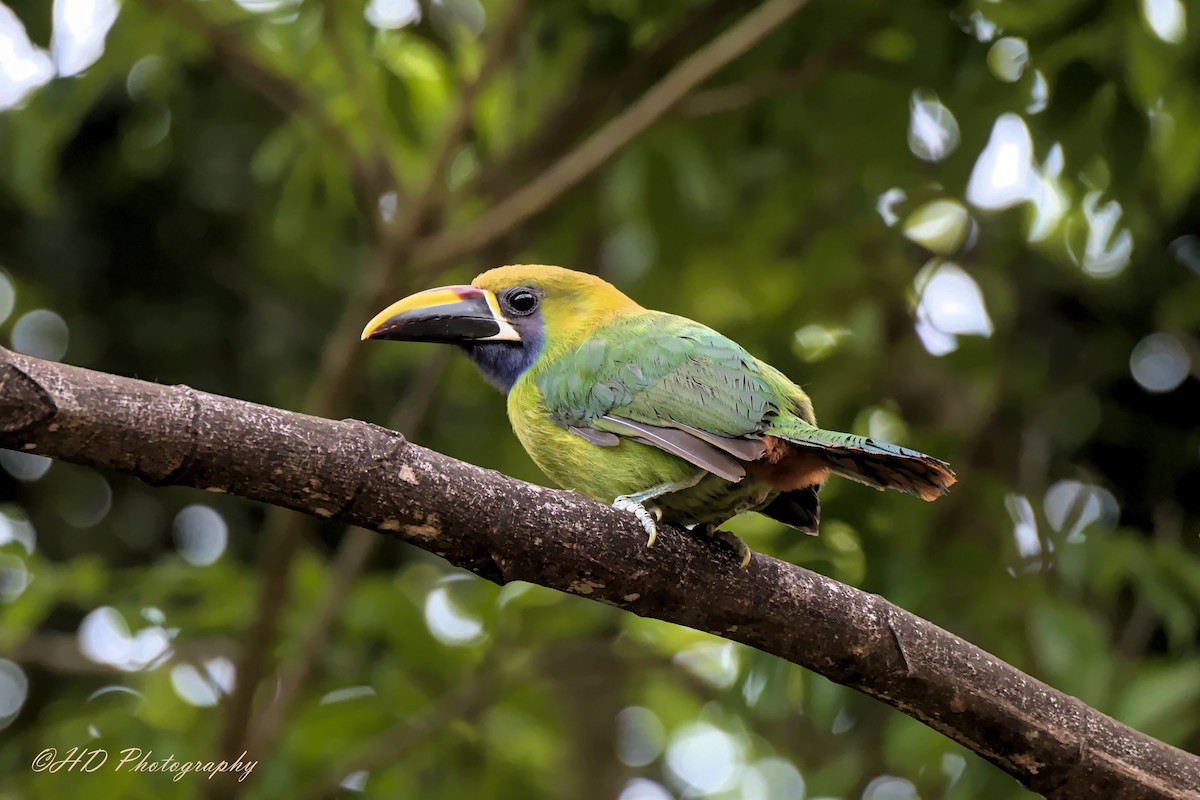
731	539
647	515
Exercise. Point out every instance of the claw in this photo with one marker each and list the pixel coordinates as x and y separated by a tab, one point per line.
639	504
731	539
737	544
645	516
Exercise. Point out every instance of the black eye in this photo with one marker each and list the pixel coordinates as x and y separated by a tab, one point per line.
521	301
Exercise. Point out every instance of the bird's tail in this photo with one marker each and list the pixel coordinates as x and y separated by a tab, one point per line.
869	461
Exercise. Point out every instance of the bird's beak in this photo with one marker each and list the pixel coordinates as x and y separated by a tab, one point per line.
448	314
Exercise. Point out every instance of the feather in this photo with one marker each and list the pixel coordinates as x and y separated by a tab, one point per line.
881	465
682	444
600	438
800	509
742	449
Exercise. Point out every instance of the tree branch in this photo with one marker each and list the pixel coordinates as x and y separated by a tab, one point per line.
572	168
724	99
504	530
59	652
589	102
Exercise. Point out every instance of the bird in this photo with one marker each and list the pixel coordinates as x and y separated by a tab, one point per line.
652	413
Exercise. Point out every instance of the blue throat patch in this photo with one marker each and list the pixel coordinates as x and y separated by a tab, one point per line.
503	362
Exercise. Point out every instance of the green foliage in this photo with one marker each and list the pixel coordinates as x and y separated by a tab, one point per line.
202	201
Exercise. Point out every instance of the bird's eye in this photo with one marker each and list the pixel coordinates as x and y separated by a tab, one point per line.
521	301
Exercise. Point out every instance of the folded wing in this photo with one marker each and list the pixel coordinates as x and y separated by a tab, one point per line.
667	382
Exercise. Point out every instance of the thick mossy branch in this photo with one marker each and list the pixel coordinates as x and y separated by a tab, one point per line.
505	530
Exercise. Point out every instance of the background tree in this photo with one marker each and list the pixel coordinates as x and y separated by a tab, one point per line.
972	231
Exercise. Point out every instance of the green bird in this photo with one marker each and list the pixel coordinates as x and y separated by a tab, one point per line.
650	412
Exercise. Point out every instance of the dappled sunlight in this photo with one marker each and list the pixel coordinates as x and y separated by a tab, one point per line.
15	528
14	577
1050	202
949	305
887	204
644	789
886	425
143	76
8	296
979	26
772	779
14	689
1071	507
446	619
200	534
641	737
1025	529
115	690
23	67
1003	175
1159	363
1006	174
890	787
1039	93
24	466
41	333
703	758
817	342
1186	250
714	663
392	14
80	27
1166	18
265	6
105	638
1107	248
953	766
1008	58
101	704
932	129
940	226
753	687
203	684
387	206
347	694
88	500
356	781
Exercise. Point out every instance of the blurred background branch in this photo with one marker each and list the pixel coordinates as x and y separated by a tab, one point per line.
327	396
596	149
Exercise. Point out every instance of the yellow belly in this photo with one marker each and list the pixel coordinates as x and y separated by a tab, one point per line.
601	473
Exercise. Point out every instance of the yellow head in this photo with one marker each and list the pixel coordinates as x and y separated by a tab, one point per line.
508	318
571	305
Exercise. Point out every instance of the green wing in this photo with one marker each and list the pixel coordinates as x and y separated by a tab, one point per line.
665	381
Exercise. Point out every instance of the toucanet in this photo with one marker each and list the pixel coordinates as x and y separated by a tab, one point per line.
650	412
